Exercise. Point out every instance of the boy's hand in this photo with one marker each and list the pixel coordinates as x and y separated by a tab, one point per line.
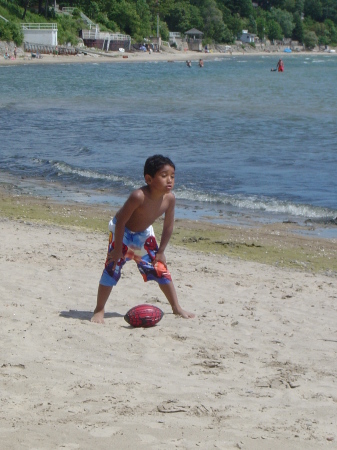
114	256
160	257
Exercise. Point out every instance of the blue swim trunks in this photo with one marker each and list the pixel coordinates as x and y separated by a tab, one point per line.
141	247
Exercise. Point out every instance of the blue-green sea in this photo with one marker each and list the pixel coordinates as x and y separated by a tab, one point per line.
248	143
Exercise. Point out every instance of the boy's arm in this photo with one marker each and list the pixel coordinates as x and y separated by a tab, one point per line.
167	232
123	215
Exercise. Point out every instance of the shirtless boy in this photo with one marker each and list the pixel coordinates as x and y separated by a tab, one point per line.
132	237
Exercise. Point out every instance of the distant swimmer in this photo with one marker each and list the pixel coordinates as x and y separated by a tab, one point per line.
201	63
280	66
188	63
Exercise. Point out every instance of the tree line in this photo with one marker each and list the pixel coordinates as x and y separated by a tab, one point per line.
312	22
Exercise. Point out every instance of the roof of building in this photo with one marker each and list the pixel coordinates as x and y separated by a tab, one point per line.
193	31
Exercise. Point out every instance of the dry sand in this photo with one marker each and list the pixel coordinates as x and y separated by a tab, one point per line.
111	57
170	55
256	369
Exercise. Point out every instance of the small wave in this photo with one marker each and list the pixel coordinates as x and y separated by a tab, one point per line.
66	169
261	204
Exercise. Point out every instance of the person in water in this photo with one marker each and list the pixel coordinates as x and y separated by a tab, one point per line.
280	66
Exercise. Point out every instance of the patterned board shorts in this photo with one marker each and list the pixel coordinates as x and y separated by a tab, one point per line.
141	247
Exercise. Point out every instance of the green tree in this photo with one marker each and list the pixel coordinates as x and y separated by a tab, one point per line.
299	6
227	35
164	31
284	19
213	23
76	13
163	7
261	25
274	30
268	4
332	30
242	7
183	16
16	32
310	39
91	9
329	10
252	25
179	17
298	31
313	8
144	14
245	8
25	5
226	12
236	25
196	18
290	5
125	15
5	32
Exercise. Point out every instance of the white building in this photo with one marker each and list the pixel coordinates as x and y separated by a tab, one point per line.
40	33
247	37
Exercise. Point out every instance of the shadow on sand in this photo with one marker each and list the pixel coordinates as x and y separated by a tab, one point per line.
85	315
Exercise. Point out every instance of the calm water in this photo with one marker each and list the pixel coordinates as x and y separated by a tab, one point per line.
248	143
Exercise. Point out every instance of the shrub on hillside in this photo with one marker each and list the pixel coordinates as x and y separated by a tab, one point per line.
10	31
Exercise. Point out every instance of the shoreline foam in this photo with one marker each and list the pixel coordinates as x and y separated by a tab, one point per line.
281	244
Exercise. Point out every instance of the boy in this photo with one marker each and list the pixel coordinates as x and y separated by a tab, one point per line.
131	235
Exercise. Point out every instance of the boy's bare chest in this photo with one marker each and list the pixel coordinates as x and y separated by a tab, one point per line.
146	214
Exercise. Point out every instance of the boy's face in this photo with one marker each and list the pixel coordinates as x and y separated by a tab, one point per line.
163	180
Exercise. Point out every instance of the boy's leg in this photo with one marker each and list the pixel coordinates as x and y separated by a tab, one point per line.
102	297
170	293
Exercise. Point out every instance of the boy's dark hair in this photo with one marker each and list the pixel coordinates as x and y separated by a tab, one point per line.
155	163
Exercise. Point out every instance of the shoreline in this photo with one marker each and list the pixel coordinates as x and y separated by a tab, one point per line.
163	56
325	228
280	244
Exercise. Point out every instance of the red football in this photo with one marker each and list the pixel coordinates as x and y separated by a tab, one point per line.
143	316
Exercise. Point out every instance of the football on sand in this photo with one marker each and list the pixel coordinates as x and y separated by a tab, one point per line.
144	316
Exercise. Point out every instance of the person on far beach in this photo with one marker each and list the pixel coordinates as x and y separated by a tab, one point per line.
15	52
280	66
132	237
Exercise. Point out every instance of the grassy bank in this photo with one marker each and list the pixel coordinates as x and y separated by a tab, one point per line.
276	244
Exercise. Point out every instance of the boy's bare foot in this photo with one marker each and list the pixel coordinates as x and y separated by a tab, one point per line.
98	316
184	314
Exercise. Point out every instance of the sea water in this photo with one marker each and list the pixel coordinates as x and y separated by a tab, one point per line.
248	143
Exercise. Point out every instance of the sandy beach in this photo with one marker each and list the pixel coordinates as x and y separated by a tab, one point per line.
91	56
112	57
169	55
256	369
